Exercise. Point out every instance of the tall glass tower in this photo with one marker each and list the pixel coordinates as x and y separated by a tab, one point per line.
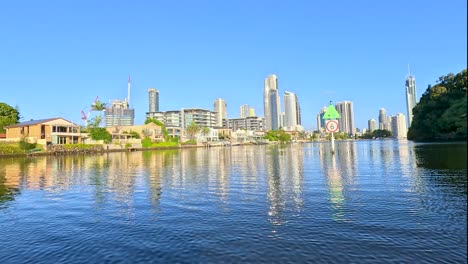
153	96
346	121
410	96
290	110
383	120
271	103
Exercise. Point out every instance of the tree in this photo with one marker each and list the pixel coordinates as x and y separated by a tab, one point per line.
441	111
192	130
96	121
134	134
378	133
100	133
277	135
97	106
205	130
8	116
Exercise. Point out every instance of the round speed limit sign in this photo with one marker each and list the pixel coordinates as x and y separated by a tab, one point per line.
332	126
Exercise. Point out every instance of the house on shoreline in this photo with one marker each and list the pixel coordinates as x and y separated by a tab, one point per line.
45	132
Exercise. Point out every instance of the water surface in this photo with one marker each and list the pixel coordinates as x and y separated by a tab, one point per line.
373	201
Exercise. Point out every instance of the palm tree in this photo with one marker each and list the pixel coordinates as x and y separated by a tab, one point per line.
96	121
205	130
192	129
99	107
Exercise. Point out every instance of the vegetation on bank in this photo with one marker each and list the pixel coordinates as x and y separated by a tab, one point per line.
378	133
337	136
100	133
189	142
18	147
440	115
277	135
8	116
147	143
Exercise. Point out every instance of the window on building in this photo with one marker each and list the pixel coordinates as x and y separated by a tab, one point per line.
62	140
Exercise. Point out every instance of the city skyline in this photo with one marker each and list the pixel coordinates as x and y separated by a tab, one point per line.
57	57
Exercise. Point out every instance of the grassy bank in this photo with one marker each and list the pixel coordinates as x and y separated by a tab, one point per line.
18	147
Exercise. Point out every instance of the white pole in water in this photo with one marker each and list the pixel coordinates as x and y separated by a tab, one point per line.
332	144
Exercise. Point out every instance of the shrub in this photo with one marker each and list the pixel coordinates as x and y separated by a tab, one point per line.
134	134
100	133
24	145
10	148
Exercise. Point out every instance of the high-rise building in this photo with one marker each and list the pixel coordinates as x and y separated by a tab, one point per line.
252	112
184	117
372	125
153	96
320	120
220	108
271	103
119	114
410	96
246	111
201	117
346	122
253	123
383	121
399	129
281	120
290	110
298	112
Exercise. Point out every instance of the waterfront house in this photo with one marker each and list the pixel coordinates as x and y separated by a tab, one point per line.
45	131
150	130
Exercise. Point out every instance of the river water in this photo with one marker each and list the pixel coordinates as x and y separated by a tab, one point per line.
381	201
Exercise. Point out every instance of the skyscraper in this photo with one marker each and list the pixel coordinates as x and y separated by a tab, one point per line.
298	112
410	96
399	129
320	120
271	103
119	114
153	96
383	121
220	108
372	125
246	111
290	110
346	122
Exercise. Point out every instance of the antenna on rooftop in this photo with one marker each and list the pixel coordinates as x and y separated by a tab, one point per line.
128	96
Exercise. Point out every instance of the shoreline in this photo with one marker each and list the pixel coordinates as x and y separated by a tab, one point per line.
103	150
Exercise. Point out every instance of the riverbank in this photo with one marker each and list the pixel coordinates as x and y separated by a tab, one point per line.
58	150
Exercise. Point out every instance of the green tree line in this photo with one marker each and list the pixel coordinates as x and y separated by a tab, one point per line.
378	133
8	116
440	115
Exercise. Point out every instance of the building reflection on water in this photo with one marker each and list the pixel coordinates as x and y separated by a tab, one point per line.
333	175
239	174
285	171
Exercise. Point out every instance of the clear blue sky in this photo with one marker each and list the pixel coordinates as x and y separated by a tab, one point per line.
57	56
